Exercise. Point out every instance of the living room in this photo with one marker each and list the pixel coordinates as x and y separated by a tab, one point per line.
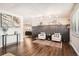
46	29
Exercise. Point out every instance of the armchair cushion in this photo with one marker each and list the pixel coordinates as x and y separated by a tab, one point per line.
42	35
56	37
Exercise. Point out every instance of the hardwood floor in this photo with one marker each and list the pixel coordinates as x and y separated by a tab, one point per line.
27	48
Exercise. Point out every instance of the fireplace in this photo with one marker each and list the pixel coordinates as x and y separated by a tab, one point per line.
28	33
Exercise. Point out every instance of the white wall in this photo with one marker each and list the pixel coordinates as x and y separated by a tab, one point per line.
1	37
0	41
10	39
74	40
50	21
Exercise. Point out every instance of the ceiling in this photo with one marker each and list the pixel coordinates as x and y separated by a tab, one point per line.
37	9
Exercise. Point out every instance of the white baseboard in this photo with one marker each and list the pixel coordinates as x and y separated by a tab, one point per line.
74	48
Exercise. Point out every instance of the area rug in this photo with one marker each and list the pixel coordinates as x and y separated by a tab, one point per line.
8	54
49	43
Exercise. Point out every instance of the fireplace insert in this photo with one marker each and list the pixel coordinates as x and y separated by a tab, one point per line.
28	33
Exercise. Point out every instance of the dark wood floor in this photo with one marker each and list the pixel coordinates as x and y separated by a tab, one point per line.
27	48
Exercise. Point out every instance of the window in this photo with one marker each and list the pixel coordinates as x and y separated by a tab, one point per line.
75	22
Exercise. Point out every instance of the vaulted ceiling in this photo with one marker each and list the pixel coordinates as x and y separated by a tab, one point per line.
37	9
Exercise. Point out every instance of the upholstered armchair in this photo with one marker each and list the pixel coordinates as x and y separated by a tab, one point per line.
42	35
56	37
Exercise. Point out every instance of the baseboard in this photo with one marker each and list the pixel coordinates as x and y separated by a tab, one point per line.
74	48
